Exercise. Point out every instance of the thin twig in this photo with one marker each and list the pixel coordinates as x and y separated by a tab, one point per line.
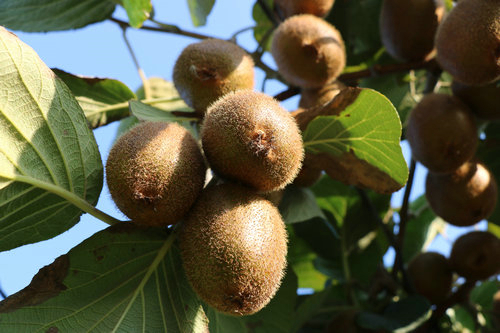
142	75
286	94
2	293
165	28
268	12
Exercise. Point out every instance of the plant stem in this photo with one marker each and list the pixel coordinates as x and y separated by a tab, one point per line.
2	293
164	28
286	94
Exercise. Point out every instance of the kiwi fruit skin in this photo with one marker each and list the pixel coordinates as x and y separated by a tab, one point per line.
233	245
319	8
309	174
308	51
463	197
407	28
442	132
475	255
248	137
317	97
431	275
468	42
484	101
155	172
207	70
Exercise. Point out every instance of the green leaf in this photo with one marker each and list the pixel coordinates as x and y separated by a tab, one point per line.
263	26
125	125
102	100
150	113
138	11
199	10
357	137
462	320
483	294
39	16
49	161
398	317
299	204
122	279
308	308
275	317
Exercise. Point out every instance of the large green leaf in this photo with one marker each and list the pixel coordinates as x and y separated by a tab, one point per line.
298	205
199	10
356	137
37	16
122	279
102	100
137	11
46	147
150	113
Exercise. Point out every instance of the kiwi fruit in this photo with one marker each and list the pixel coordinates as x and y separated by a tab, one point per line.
207	70
248	137
484	101
407	28
463	197
308	51
442	132
233	246
316	97
431	275
319	8
155	172
309	174
468	42
475	255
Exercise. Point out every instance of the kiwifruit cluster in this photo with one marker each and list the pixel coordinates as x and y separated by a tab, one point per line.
407	28
319	8
207	70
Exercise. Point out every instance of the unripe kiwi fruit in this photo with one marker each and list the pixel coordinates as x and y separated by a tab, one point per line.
319	8
233	246
468	42
442	132
484	101
431	275
248	137
207	70
155	172
463	197
475	255
308	51
407	27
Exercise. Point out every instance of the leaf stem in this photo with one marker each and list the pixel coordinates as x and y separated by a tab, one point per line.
2	293
65	194
145	84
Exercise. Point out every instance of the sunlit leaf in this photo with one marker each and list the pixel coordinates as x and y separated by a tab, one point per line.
137	11
199	10
46	148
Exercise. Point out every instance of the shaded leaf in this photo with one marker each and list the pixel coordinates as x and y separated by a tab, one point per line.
150	113
308	308
162	95
102	100
355	139
298	204
398	317
123	278
199	10
137	11
263	26
39	16
48	156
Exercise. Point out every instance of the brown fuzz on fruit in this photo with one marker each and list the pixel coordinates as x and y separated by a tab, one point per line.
407	28
207	70
155	172
309	174
475	255
464	197
468	42
233	246
319	8
308	51
484	101
431	275
248	137
316	97
442	132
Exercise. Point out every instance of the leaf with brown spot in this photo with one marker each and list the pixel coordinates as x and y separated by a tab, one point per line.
355	139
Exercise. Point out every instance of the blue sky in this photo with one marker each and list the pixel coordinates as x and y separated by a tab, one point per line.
99	50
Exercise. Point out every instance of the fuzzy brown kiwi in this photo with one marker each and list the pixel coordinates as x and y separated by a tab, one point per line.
308	51
475	255
484	101
233	245
463	197
442	132
207	70
319	8
155	172
316	97
431	275
468	42
407	28
248	137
